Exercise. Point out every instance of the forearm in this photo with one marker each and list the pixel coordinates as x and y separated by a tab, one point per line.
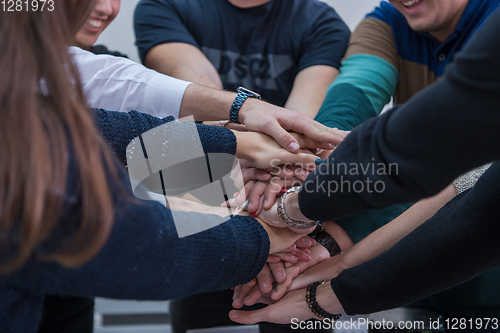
309	88
362	89
185	62
385	237
459	242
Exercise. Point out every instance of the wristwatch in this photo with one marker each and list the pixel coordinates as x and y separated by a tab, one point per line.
325	239
288	221
243	94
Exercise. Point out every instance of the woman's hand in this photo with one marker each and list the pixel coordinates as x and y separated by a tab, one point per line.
263	152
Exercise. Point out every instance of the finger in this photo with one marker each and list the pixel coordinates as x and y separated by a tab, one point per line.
301	255
308	143
239	288
272	190
248	317
241	197
305	242
278	271
273	258
283	171
282	288
287	257
254	196
254	296
239	297
315	131
255	174
306	161
264	279
282	137
261	205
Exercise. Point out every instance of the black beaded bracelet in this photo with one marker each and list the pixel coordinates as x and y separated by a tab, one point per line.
314	306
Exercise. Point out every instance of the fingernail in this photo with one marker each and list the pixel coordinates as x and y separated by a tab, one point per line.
264	286
236	314
318	161
278	275
265	203
294	146
249	205
294	258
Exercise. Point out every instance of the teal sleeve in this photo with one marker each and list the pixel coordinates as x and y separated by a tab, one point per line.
364	86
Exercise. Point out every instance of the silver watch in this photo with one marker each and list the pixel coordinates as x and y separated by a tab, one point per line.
288	221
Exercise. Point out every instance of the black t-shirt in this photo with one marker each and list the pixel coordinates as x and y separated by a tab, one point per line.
261	48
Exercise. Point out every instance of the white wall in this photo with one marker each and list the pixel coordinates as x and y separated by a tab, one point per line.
119	36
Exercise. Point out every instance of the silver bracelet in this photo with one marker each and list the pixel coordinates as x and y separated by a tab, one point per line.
468	180
288	221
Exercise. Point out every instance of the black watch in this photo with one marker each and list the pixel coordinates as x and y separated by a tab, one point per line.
321	236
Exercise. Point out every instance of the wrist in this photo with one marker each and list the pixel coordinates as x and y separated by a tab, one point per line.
327	299
292	208
242	141
247	108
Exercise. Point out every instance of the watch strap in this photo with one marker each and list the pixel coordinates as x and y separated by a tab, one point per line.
240	98
321	236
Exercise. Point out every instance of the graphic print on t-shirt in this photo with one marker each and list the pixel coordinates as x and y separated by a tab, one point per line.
250	70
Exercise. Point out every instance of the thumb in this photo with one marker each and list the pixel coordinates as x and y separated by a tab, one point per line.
283	138
248	317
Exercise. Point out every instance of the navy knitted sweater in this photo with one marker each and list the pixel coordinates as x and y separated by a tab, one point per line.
444	131
143	258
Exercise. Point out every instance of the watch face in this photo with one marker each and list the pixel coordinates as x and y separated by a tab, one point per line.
248	92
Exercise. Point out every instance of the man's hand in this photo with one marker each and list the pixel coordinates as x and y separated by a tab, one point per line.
276	122
293	305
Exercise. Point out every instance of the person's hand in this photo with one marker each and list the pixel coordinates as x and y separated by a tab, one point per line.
276	122
280	277
326	270
246	173
292	305
263	152
280	238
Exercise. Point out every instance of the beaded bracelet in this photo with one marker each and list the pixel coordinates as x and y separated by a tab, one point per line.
314	306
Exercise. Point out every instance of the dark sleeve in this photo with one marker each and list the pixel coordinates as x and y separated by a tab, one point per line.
144	258
456	244
415	151
158	22
326	41
120	128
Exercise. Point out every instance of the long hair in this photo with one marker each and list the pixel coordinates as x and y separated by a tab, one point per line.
44	123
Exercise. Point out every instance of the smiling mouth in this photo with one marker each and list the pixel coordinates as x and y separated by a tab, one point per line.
94	24
411	3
